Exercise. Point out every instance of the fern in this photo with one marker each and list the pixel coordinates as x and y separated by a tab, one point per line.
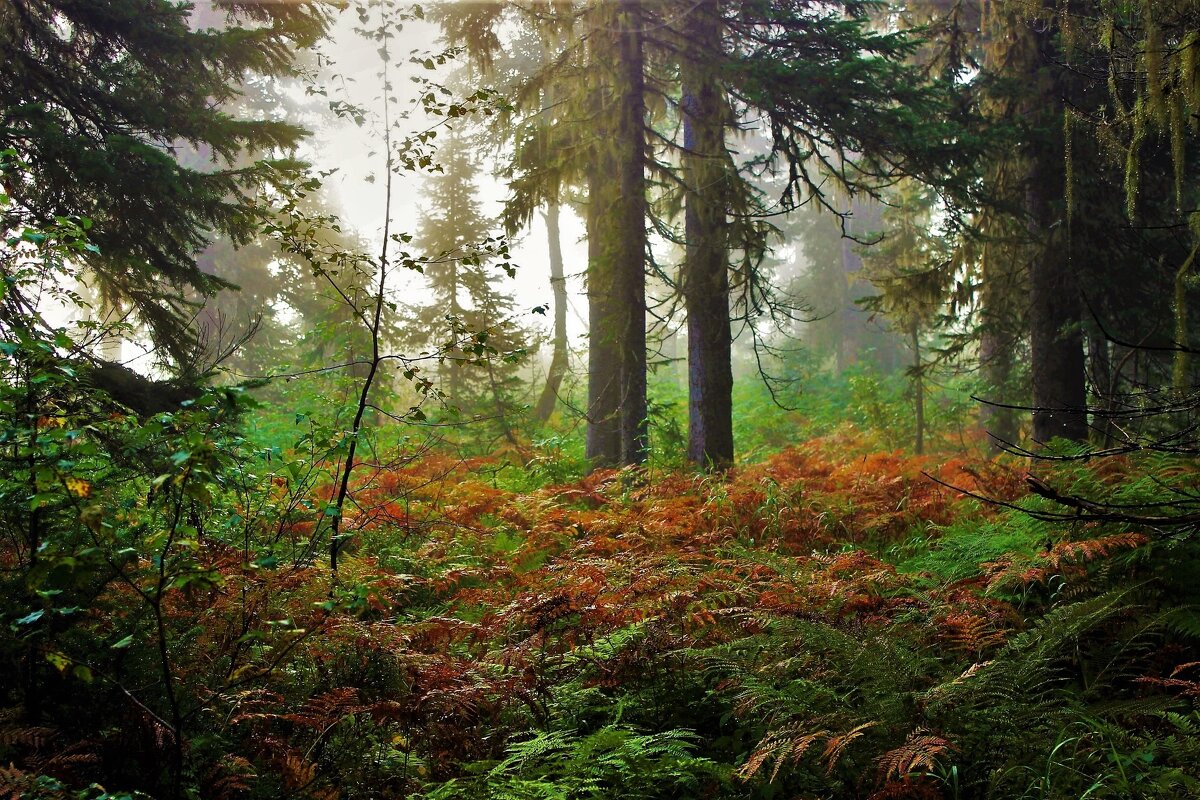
613	761
919	754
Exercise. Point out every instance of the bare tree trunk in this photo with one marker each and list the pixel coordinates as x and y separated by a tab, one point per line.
1099	354
1057	365
918	389
705	273
454	382
1181	378
603	446
617	408
558	283
996	344
631	232
849	330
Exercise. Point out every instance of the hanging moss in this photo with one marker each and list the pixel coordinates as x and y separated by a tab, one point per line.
1133	160
1152	59
1178	132
1189	76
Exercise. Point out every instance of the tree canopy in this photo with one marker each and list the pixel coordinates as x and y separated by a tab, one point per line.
97	98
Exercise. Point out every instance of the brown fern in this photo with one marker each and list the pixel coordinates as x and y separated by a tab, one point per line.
918	754
837	745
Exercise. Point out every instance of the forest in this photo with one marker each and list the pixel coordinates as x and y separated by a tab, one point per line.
599	399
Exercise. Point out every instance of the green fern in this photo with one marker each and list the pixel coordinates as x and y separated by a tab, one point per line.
613	761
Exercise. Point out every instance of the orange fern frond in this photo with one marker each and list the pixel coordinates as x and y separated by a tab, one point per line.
918	754
837	745
788	744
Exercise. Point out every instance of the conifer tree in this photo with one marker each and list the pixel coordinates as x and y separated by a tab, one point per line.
94	100
841	105
468	319
844	107
912	269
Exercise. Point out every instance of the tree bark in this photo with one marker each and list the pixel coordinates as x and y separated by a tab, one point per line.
1103	385
705	273
603	447
617	408
918	389
1057	365
996	345
558	283
630	216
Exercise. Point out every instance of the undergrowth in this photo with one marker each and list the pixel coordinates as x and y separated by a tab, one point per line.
821	624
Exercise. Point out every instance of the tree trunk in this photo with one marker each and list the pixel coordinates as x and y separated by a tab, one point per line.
631	232
918	390
705	273
1057	366
558	283
603	446
454	388
1100	358
1181	379
996	345
617	408
849	330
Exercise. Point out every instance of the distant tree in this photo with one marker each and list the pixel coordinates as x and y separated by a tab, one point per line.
846	109
468	319
532	140
842	107
913	269
256	323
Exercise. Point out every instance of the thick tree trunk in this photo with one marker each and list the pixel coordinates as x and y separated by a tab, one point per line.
996	358
558	283
617	250
1057	365
603	447
705	273
630	245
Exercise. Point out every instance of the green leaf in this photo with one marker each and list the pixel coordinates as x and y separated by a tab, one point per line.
121	645
31	618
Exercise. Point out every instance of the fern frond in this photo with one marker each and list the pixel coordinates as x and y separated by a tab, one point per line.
787	744
32	736
837	745
918	754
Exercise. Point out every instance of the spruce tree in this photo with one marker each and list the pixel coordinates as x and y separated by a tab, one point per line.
95	99
468	319
845	109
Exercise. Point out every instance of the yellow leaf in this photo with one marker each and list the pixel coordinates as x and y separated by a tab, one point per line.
78	487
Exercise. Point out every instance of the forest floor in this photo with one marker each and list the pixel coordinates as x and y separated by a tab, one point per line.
829	623
822	624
